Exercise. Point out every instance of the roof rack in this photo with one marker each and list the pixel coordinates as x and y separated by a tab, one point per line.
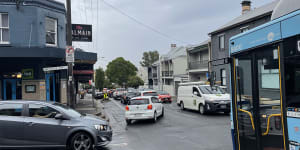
193	83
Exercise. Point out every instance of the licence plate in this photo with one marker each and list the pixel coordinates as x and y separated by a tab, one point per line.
223	106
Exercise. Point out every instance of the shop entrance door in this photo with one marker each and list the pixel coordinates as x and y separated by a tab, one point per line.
50	87
10	89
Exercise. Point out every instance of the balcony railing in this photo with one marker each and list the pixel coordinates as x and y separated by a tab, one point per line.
167	73
198	65
154	75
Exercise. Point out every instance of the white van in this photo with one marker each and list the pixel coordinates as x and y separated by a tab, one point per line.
203	98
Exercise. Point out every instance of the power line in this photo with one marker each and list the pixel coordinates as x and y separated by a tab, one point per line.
141	23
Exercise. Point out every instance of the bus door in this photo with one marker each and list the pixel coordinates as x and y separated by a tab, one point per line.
258	100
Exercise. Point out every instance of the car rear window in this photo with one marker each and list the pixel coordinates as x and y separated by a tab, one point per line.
163	93
150	94
139	101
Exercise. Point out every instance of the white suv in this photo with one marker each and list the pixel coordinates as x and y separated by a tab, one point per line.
143	108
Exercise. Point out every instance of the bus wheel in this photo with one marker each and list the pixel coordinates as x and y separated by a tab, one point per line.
202	109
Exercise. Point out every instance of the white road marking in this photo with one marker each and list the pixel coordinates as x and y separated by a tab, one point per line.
119	144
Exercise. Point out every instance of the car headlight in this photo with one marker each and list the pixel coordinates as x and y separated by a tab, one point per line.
101	127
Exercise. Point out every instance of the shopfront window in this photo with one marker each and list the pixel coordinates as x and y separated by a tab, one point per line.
4	28
51	31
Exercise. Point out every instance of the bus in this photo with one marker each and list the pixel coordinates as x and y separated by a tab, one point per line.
265	83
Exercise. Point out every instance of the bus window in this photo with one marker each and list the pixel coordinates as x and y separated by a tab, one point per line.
269	97
244	101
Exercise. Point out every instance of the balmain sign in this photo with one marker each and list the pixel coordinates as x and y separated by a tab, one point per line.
81	33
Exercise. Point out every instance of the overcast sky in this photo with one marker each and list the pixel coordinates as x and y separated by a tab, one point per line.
181	22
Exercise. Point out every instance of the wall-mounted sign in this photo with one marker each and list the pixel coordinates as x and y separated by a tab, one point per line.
30	88
83	72
55	68
81	33
27	74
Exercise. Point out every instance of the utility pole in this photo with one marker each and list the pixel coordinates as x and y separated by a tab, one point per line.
70	93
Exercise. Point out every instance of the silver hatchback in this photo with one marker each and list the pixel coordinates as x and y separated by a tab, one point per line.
39	124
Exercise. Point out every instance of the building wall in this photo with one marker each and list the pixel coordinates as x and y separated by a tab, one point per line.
194	77
169	89
219	54
180	65
28	22
40	93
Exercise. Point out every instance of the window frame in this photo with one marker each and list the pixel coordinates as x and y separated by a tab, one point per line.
219	38
2	28
244	29
56	32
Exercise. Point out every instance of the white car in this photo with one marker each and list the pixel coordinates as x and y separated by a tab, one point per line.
203	98
144	108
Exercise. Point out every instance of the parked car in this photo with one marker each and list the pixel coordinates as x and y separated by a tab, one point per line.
40	124
149	93
119	93
89	91
203	98
99	95
129	95
143	108
164	96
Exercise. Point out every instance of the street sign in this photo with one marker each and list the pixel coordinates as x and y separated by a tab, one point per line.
81	32
55	68
70	54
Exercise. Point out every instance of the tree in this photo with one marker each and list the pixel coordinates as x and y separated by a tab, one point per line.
135	81
100	77
149	58
119	70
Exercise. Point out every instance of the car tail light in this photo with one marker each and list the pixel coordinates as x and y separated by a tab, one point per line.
149	107
127	108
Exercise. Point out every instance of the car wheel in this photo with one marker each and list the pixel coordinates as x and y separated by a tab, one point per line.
155	117
81	141
182	106
163	112
202	110
128	122
227	112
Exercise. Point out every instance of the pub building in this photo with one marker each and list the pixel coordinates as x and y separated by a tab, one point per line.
32	39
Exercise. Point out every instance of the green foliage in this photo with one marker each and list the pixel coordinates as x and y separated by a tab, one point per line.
135	81
119	70
100	78
149	58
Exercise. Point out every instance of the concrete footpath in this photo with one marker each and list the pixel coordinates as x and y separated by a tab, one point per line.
87	106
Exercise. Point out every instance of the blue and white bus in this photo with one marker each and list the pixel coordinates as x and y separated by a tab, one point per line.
265	82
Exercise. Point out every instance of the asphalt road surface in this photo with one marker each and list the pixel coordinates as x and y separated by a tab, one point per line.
177	130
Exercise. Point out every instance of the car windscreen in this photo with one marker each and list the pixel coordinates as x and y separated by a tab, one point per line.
209	90
139	101
163	93
69	111
120	89
131	94
150	94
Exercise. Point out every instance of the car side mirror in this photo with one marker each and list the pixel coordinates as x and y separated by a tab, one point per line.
59	117
197	94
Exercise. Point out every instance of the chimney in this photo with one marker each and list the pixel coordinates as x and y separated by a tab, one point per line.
246	6
173	46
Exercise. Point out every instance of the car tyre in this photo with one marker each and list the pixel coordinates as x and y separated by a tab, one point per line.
163	112
202	110
154	118
227	112
128	122
80	140
182	106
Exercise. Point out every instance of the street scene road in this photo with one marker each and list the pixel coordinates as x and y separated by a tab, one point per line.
177	130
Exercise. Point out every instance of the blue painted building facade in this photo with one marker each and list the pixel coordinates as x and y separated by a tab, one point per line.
33	37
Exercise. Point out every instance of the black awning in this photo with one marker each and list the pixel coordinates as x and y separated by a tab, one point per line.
36	52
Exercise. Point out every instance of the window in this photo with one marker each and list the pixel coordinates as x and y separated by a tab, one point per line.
154	100
223	77
222	42
11	109
41	111
4	28
51	31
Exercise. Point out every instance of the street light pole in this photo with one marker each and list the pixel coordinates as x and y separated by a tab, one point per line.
70	92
